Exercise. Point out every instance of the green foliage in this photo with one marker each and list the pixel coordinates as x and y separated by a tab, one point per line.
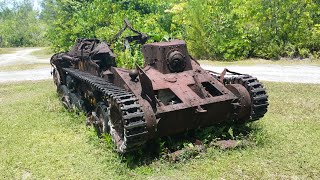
212	31
219	29
20	25
257	28
129	58
102	19
283	24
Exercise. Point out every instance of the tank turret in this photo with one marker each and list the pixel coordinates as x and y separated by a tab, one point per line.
167	57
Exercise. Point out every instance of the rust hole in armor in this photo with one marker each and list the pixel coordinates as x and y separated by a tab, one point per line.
212	90
167	97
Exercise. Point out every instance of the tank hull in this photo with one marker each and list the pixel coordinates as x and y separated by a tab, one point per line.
171	94
201	100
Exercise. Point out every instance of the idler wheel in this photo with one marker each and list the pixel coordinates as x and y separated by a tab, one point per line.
258	96
116	125
56	77
102	120
244	103
75	100
70	83
65	98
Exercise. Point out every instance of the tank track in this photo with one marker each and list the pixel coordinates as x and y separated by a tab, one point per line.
134	125
257	92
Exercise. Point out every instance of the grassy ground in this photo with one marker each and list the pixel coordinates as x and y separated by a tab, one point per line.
21	67
252	62
7	50
44	52
39	139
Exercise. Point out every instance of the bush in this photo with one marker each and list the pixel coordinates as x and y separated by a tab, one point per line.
213	29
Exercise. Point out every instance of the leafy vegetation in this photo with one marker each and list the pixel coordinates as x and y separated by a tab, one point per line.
213	29
40	140
228	30
20	67
20	25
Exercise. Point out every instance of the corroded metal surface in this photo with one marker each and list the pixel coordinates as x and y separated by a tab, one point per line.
169	95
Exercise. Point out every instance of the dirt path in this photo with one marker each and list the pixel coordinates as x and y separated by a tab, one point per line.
32	74
276	73
23	57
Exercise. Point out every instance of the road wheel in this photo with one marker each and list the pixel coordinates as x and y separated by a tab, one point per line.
102	119
64	97
56	77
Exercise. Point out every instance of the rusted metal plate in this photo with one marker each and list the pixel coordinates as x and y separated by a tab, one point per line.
170	95
180	101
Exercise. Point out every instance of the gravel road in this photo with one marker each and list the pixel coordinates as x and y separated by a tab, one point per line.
21	57
275	73
25	75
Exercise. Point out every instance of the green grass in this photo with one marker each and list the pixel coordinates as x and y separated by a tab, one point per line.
44	52
20	67
252	62
40	140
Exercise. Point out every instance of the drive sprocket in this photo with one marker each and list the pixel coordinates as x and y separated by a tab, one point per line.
258	94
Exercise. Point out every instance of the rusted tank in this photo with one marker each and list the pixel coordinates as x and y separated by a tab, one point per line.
169	95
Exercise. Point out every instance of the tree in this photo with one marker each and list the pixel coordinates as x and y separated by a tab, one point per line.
20	25
220	29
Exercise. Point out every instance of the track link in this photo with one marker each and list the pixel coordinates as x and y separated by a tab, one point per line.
133	125
257	92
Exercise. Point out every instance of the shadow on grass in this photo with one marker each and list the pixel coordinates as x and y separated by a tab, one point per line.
188	145
183	146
